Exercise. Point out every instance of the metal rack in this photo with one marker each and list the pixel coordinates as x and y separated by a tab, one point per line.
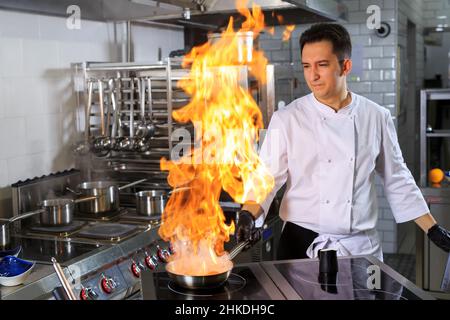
116	99
426	134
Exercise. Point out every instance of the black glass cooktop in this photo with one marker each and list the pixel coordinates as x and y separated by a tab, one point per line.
42	250
357	279
241	285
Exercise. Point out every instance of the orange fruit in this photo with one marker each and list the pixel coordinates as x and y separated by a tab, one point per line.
436	175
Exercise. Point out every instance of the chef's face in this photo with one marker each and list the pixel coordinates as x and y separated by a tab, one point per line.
324	73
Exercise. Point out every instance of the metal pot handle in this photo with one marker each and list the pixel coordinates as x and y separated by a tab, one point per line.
25	215
73	191
86	199
132	184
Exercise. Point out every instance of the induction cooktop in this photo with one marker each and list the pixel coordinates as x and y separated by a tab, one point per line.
358	278
246	282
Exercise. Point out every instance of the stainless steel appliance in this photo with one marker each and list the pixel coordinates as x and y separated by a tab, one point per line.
431	261
102	256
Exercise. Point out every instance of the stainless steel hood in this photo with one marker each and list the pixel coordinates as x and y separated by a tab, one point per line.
101	10
214	14
209	14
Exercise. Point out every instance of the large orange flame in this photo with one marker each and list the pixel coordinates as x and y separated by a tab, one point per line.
226	119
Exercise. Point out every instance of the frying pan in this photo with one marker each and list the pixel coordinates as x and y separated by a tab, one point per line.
207	281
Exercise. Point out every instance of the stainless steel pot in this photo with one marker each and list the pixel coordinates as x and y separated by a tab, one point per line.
107	193
151	203
54	212
207	281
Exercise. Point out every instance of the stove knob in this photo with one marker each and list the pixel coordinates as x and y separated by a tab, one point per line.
163	254
151	262
88	294
135	270
108	284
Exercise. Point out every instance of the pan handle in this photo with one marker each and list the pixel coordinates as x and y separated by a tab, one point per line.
25	215
132	184
236	250
240	246
73	191
86	199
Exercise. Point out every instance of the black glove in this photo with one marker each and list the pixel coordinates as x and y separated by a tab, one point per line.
246	230
440	237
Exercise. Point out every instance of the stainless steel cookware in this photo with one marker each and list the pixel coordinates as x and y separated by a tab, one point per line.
107	193
53	212
206	281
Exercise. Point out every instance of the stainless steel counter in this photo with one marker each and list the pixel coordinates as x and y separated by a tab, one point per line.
431	260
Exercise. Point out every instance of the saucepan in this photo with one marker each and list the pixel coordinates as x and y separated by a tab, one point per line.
152	202
209	281
53	212
107	193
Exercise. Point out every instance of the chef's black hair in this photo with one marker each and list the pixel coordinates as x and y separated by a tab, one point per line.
333	32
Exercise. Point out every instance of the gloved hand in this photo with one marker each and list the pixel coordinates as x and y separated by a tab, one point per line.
440	237
246	229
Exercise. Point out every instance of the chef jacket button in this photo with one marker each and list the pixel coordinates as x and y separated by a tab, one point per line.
324	118
328	201
348	201
351	159
329	160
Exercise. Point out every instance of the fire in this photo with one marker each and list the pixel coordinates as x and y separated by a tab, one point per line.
227	121
289	29
287	32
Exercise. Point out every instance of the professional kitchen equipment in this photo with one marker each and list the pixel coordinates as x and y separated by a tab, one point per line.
53	212
93	250
106	195
139	100
431	260
200	282
151	202
295	280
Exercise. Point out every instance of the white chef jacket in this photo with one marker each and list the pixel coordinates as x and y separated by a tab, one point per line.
328	161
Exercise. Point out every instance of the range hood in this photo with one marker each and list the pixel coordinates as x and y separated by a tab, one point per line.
215	14
99	10
207	14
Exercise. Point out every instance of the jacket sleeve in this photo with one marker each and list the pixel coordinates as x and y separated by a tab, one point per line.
273	154
404	196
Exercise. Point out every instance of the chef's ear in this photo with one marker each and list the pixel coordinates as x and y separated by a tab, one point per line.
346	67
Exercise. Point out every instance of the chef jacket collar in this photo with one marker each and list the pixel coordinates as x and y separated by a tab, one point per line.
328	111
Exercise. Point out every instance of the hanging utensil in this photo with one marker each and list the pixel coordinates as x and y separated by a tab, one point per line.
87	123
102	107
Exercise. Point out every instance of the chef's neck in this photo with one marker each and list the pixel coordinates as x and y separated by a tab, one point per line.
338	101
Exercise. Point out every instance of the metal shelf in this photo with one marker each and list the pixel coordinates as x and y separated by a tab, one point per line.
426	96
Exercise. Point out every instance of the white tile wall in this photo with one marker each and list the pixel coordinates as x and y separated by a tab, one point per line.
37	103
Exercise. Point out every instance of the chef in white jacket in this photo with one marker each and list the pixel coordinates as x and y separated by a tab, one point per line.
327	148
